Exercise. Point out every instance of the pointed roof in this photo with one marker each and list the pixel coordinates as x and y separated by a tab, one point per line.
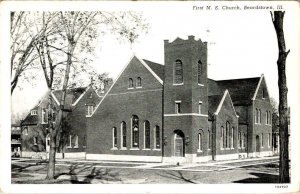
241	90
213	103
157	68
72	97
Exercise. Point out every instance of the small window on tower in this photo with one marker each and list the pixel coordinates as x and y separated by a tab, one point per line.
177	107
263	93
139	82
200	107
178	72
199	72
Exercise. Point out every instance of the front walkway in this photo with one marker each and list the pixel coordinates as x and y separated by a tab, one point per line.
193	167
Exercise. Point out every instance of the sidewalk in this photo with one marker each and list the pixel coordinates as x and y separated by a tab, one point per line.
194	167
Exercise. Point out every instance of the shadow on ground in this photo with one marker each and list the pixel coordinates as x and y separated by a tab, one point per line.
85	174
179	176
260	178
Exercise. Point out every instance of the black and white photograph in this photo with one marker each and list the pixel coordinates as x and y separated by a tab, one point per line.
157	97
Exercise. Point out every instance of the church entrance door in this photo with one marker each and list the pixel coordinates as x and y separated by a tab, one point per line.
178	143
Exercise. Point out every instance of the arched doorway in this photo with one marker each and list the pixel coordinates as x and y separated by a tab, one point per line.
179	148
48	143
257	143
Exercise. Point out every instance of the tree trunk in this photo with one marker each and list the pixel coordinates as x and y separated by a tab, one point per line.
59	118
283	107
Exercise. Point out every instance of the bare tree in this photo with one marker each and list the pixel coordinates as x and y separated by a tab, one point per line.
284	176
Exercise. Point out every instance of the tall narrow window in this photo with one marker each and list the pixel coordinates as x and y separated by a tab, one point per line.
69	142
123	131
199	72
157	137
177	107
84	141
244	140
270	118
199	107
115	137
240	139
262	140
208	139
269	140
199	142
139	82
25	131
267	117
222	138
178	72
232	137
130	83
44	116
256	116
75	141
35	141
227	141
135	131
147	134
89	110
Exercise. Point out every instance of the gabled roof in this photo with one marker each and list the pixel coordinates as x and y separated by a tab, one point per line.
31	119
157	68
71	98
241	90
213	103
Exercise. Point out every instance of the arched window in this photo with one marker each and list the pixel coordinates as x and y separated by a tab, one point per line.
270	118
157	137
147	134
25	130
199	72
178	72
208	139
232	137
267	117
75	141
262	140
123	135
115	137
139	82
240	139
200	142
135	131
259	116
222	138
227	141
130	83
256	116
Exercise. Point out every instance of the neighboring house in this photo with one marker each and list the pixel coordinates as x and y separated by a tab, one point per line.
15	140
174	113
79	103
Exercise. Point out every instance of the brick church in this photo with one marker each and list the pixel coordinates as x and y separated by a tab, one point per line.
175	113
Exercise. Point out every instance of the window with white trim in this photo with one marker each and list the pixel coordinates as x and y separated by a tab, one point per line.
139	82
115	137
208	140
232	137
135	131
35	141
227	138
70	142
33	112
262	140
267	117
222	138
199	107
259	116
123	131
75	141
178	72
89	110
25	130
157	137
44	116
147	135
130	83
199	142
177	107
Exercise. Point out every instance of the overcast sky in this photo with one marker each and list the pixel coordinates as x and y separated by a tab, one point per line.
241	44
